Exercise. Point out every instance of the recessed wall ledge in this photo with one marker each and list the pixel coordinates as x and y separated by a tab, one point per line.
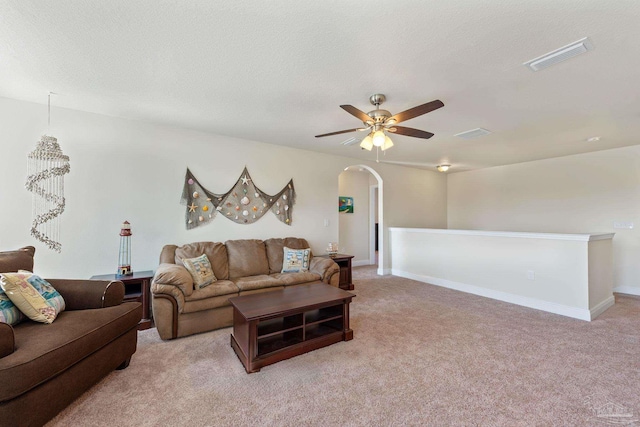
585	237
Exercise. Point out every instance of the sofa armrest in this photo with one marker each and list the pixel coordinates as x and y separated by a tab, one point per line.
174	275
86	294
326	268
171	291
7	340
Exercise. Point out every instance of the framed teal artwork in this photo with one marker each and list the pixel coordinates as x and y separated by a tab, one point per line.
345	204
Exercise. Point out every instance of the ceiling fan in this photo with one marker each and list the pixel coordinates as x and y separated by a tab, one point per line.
379	121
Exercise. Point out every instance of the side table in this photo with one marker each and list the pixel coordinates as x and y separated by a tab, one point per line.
137	287
344	262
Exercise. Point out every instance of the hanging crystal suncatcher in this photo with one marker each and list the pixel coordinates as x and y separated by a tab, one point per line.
47	166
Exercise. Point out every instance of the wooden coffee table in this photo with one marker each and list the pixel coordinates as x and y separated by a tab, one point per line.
272	326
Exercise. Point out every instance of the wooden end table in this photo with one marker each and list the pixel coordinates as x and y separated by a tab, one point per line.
272	326
137	287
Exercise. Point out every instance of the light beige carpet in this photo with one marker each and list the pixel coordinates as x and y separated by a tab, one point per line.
421	355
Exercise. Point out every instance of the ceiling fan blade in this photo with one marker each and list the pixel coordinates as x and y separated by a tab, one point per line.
338	132
416	133
417	111
357	113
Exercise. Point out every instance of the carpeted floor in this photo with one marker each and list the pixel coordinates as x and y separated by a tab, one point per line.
421	355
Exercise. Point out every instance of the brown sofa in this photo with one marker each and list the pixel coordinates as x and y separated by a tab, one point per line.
241	267
43	368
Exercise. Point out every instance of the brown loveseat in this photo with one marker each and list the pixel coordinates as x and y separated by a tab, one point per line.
43	368
241	267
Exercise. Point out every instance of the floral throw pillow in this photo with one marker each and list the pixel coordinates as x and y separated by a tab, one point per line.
295	260
34	296
201	271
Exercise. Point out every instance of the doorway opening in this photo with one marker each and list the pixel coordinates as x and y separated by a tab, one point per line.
361	225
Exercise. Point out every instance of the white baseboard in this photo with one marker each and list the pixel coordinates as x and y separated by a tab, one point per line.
384	271
631	290
600	308
551	307
360	263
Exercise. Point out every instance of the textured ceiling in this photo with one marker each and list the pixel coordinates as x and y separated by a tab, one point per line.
277	71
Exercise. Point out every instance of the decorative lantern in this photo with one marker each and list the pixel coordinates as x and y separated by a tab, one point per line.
124	259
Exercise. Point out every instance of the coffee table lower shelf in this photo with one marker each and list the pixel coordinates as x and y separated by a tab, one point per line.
265	333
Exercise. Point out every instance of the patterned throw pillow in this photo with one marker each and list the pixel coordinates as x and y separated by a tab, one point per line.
295	260
34	296
201	271
9	313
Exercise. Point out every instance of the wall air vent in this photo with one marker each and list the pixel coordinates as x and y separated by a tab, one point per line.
473	133
559	55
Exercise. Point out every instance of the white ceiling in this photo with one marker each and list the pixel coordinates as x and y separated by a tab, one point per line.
276	71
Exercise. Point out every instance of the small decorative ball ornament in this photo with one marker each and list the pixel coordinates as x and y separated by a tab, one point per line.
245	200
205	208
245	213
196	194
190	181
200	218
284	197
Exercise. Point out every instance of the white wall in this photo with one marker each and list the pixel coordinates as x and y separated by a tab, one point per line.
584	193
354	227
568	274
129	170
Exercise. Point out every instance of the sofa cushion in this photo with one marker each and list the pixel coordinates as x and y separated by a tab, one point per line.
261	281
42	352
275	248
22	259
297	278
216	253
34	296
221	287
200	270
246	258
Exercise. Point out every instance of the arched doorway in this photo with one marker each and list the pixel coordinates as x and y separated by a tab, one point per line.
363	186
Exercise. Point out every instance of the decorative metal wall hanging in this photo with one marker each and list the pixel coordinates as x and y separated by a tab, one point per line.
244	203
47	166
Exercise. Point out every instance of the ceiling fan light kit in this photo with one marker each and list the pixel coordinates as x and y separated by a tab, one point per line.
443	168
367	143
380	121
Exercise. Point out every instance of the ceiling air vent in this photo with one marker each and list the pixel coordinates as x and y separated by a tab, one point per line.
559	55
349	141
473	133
